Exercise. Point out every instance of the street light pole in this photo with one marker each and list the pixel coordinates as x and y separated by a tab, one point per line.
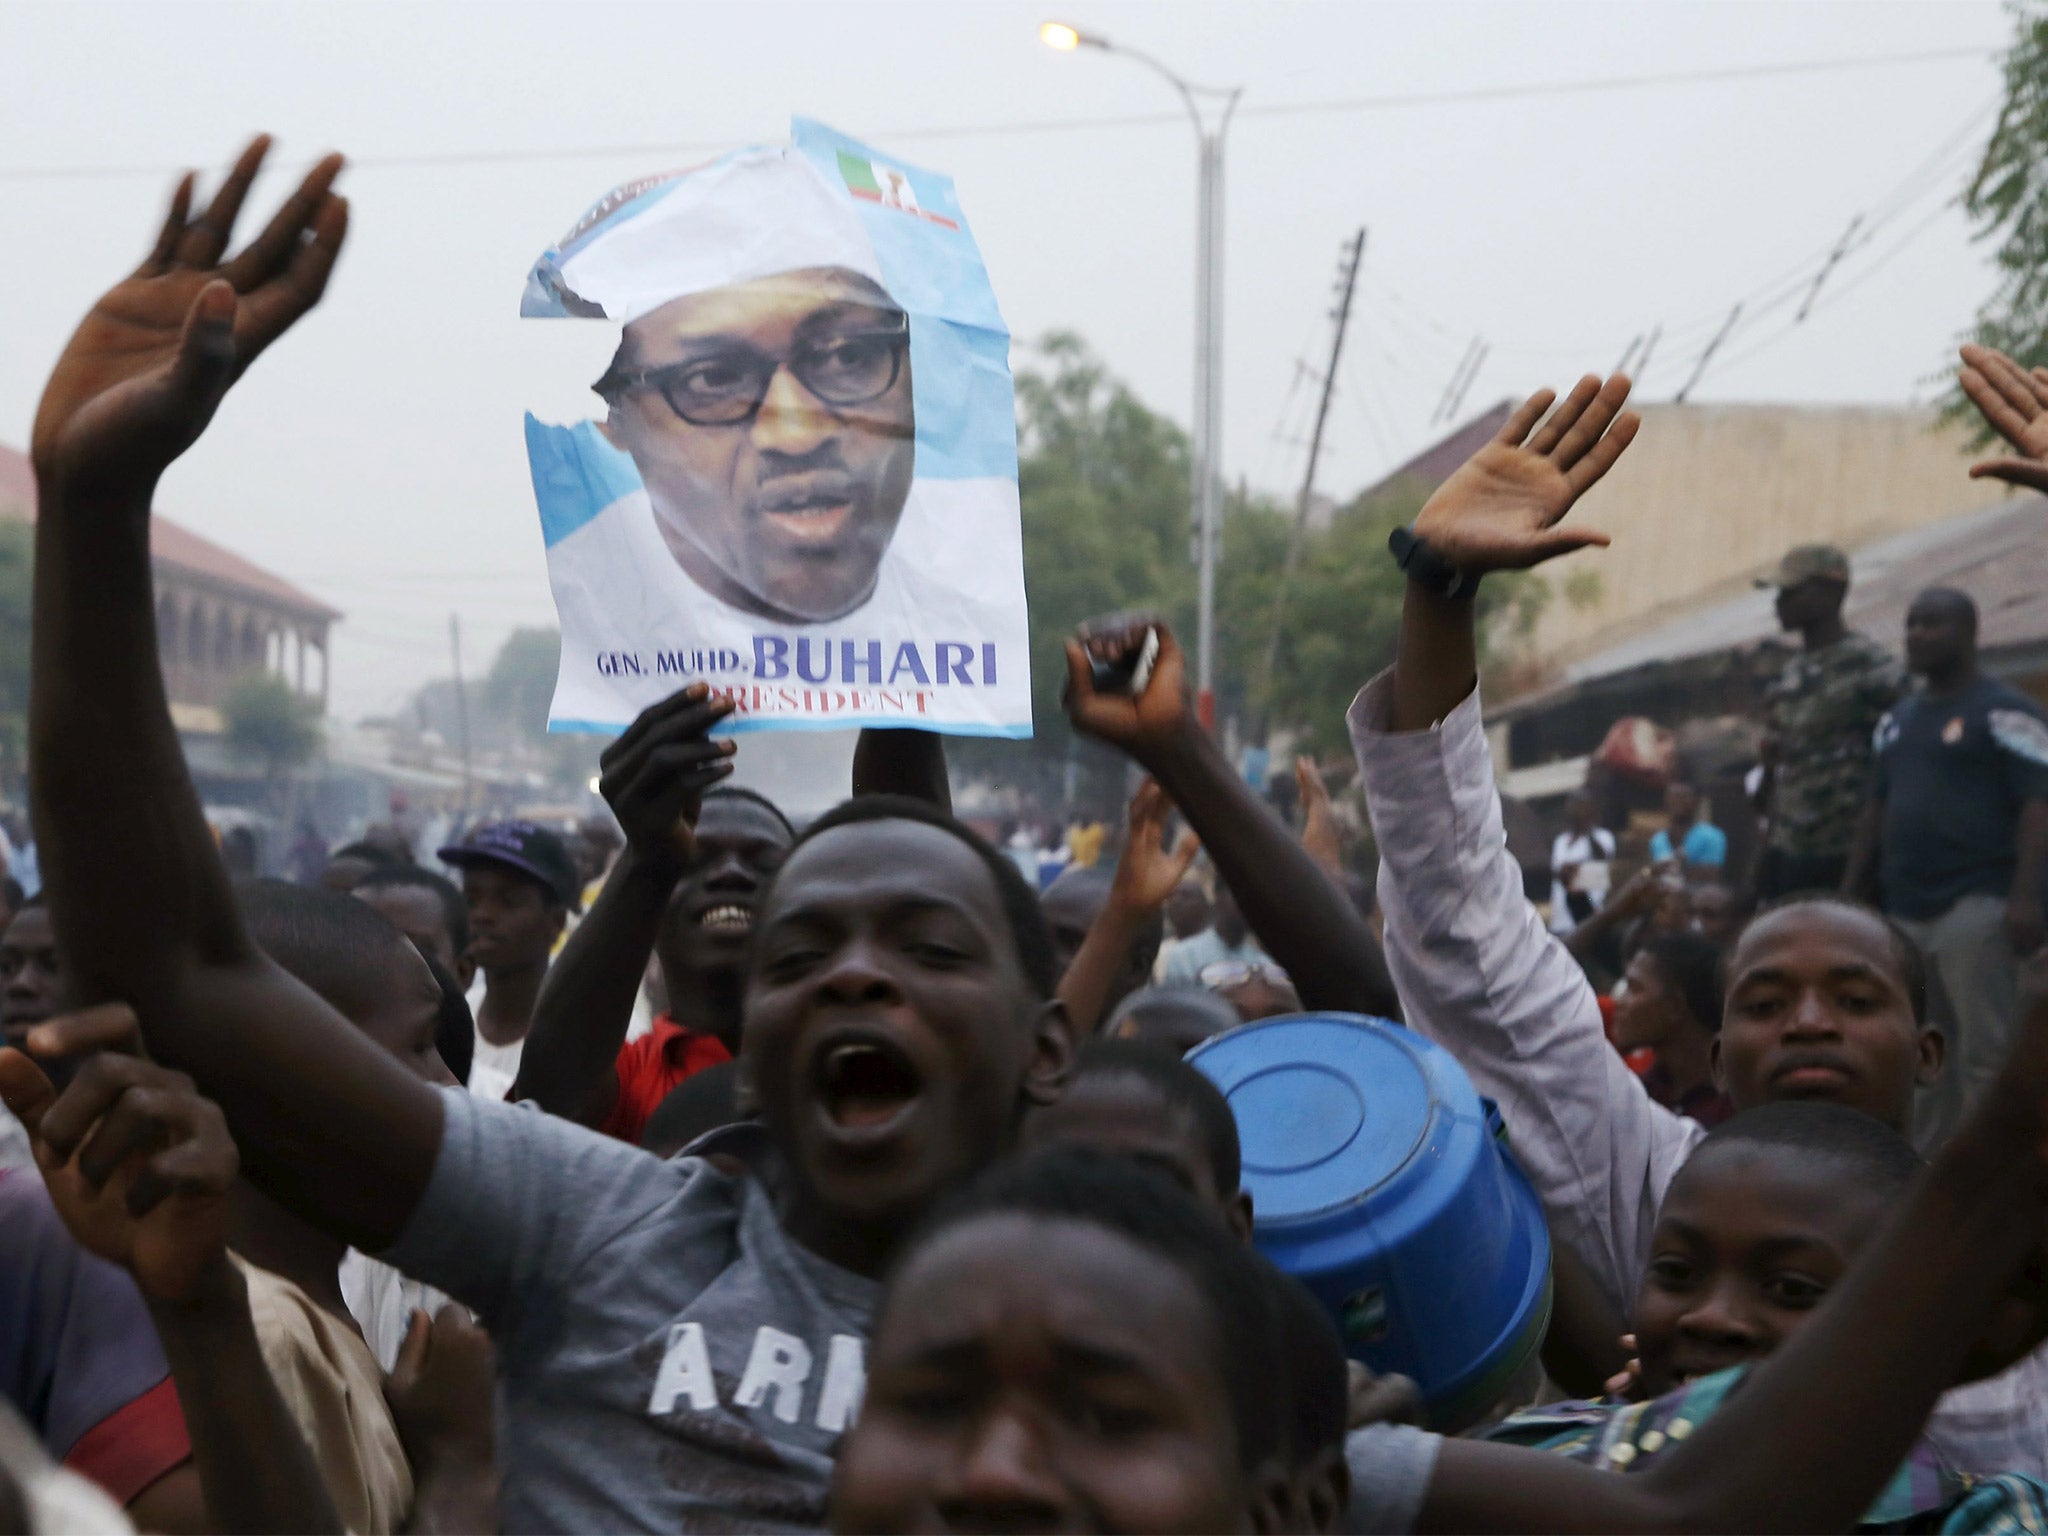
1206	425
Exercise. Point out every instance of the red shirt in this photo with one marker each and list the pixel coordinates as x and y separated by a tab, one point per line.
649	1068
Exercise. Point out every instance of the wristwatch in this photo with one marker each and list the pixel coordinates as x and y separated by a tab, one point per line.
1428	569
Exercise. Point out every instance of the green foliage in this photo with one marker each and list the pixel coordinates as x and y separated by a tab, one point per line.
522	679
1104	485
516	693
2008	201
270	722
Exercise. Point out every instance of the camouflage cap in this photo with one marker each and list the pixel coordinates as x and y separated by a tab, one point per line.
1806	562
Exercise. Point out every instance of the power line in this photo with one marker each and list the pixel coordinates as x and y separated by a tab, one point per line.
1390	102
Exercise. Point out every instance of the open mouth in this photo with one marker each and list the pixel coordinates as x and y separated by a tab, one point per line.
866	1083
811	508
728	918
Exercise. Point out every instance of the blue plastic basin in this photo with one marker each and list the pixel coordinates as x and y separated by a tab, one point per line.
1382	1181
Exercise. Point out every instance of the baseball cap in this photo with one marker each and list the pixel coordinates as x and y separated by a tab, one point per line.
1805	562
522	845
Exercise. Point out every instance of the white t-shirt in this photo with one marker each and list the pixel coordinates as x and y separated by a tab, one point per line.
1590	851
492	1068
382	1301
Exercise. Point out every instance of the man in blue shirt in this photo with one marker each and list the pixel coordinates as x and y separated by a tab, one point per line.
1956	831
1702	847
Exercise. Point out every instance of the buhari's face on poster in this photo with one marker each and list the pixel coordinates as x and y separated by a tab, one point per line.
773	426
798	482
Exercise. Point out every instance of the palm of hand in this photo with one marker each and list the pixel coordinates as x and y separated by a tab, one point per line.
1492	513
115	373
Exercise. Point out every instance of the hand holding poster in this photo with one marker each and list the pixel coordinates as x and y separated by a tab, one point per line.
803	491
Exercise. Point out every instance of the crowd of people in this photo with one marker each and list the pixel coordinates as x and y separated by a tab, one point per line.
388	1202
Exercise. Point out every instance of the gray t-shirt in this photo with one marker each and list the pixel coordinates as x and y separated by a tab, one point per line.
668	1359
1391	1465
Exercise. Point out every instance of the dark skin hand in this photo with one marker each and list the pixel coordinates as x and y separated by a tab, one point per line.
441	1395
327	1122
1500	512
1147	872
905	762
654	778
142	1171
1302	917
2014	403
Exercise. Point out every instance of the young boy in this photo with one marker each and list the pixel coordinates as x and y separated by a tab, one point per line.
1139	1101
520	887
1076	1345
687	887
1759	1227
1824	999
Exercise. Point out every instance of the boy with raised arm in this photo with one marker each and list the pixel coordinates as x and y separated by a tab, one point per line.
678	1345
1824	1000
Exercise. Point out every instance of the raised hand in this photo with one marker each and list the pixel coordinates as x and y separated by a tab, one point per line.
1500	509
1143	725
1318	818
146	368
654	776
139	1166
2014	401
1148	871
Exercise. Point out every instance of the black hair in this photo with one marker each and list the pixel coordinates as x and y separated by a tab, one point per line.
1185	1089
1151	932
1035	954
741	792
368	853
12	895
327	940
1690	964
1956	601
454	1027
454	910
1080	1184
1186	999
701	1102
1318	1379
1912	964
1883	1161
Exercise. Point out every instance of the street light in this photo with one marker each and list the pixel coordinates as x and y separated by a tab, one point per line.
1208	417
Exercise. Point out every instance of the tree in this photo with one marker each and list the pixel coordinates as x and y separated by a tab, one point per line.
2008	201
518	690
521	682
270	722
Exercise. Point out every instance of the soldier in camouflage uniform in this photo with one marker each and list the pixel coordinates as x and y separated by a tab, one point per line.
1822	712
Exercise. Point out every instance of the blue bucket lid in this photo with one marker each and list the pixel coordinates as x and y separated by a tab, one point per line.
1329	1107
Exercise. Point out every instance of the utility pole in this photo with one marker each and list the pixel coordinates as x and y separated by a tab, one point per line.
1699	368
1354	255
1457	400
1454	390
1842	248
461	711
1643	361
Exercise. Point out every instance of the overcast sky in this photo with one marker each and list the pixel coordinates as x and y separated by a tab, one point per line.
376	457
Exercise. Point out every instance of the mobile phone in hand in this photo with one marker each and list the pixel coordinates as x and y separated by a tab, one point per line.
1122	650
